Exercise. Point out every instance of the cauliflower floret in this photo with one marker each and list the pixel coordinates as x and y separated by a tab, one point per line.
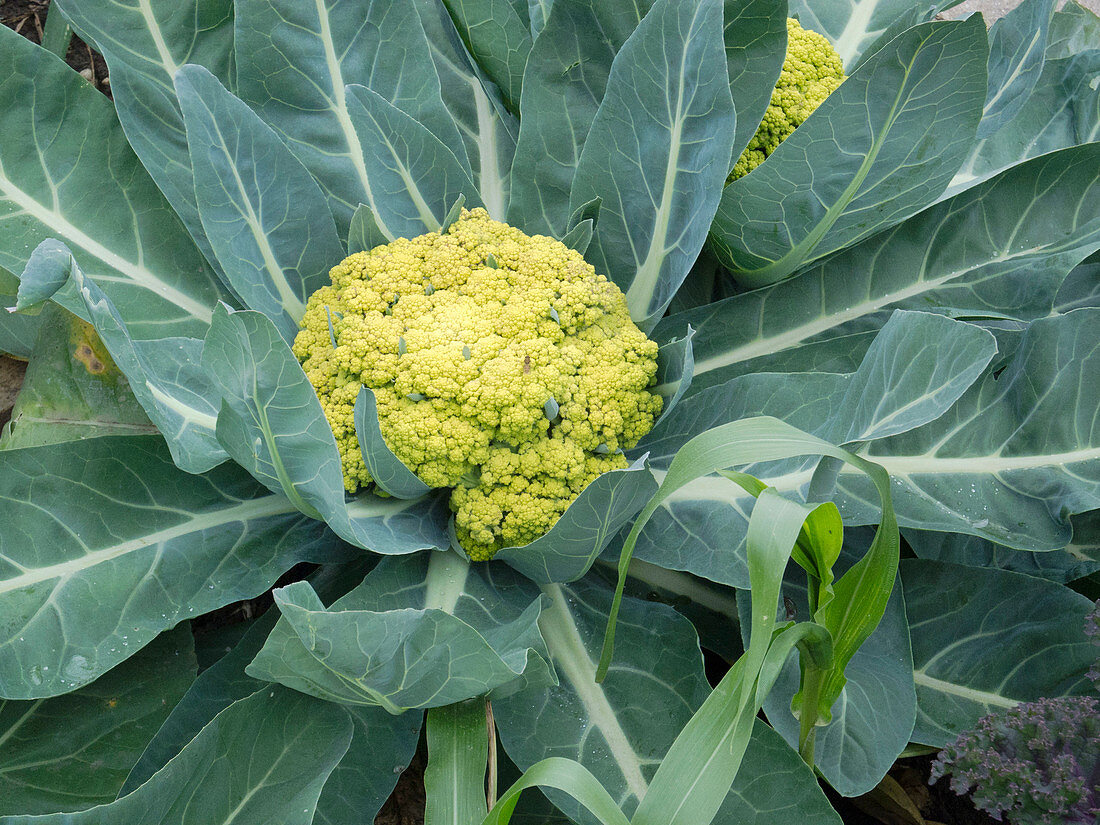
811	72
503	367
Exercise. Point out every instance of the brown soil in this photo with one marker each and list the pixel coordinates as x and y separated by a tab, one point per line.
11	379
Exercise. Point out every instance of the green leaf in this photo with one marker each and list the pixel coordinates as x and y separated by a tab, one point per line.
1057	198
129	240
165	377
385	468
72	389
755	34
563	85
489	131
1017	45
657	151
413	177
144	44
564	775
499	40
1073	29
917	368
985	640
73	751
610	728
47	270
294	61
458	749
414	634
263	213
907	117
1059	566
142	546
364	233
874	715
1015	456
1063	110
264	759
272	424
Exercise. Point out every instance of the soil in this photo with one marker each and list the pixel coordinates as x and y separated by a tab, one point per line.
937	804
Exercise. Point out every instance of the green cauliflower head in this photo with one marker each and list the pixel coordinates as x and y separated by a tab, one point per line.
811	72
503	366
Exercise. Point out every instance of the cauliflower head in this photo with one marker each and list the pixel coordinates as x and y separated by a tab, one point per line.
811	72
503	366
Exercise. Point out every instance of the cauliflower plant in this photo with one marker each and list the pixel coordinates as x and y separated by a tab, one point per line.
811	72
503	366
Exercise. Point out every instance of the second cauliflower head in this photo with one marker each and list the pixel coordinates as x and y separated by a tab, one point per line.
503	367
811	72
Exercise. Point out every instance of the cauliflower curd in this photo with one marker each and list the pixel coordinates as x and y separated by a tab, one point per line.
811	72
503	366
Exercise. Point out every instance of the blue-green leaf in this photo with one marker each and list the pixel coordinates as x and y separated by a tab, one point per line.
499	40
47	270
891	137
563	85
755	34
73	751
985	640
385	468
1017	45
413	178
295	59
263	759
1059	566
143	546
129	240
657	152
1073	29
272	423
414	634
263	213
144	44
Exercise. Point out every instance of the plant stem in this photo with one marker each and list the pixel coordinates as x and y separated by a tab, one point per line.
491	778
454	780
57	34
807	718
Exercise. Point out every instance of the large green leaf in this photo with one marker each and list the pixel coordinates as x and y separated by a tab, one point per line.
144	43
917	368
414	179
381	747
985	640
621	728
1060	566
272	423
72	389
874	716
1063	110
74	751
657	152
141	546
1015	456
417	633
564	83
891	137
263	759
1017	46
263	213
498	38
294	61
1038	220
129	240
488	130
